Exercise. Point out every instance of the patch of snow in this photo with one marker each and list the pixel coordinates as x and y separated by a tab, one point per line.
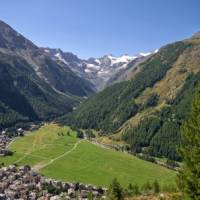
123	66
156	51
121	59
46	50
97	61
103	72
145	54
87	71
79	64
93	66
59	56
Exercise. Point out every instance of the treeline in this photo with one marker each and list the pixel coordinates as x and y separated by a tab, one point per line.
159	134
109	109
189	175
9	117
24	97
117	192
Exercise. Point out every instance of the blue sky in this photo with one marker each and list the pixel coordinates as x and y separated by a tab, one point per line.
92	28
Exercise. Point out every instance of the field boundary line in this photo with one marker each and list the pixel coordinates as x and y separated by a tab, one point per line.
28	153
37	156
57	158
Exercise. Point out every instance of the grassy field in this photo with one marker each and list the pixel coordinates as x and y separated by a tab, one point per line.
56	154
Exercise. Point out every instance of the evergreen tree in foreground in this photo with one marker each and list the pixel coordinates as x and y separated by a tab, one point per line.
189	176
115	191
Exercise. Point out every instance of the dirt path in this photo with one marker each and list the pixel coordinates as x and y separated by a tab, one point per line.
99	144
41	165
28	153
11	142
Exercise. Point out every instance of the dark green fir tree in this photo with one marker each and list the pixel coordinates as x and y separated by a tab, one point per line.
189	176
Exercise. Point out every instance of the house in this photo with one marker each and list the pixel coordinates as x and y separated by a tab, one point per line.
20	132
23	183
71	193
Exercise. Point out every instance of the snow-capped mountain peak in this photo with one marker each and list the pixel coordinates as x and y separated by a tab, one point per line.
97	70
145	54
121	59
156	51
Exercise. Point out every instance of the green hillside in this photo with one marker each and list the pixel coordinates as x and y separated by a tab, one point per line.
25	97
57	153
147	111
109	109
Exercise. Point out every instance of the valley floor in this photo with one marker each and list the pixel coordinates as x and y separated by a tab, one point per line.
55	152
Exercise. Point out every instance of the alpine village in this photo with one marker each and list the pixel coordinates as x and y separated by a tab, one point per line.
112	127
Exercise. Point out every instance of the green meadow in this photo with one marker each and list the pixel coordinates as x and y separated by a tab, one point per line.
56	152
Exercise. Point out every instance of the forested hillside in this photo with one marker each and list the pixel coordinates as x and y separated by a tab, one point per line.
148	110
25	97
109	109
33	86
158	134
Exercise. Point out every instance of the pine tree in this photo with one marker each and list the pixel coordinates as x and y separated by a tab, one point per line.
147	187
156	187
189	176
115	191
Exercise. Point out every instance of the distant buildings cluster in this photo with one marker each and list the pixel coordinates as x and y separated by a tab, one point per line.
25	184
6	136
4	141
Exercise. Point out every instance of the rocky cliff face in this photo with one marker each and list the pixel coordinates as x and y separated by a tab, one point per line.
102	71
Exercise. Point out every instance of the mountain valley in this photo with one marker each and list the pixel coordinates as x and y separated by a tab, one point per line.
147	110
88	121
46	83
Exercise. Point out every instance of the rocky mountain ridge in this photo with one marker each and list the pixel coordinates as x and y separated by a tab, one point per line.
99	71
